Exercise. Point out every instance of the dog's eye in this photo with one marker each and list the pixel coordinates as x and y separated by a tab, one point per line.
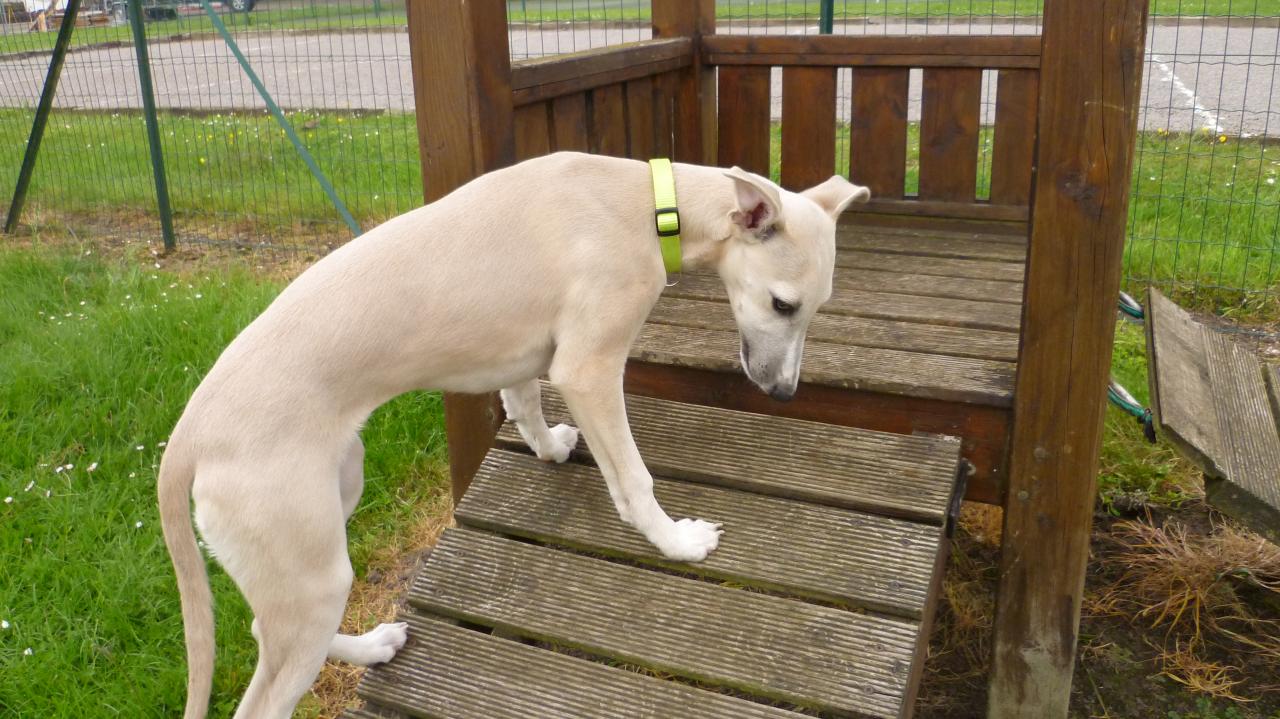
783	308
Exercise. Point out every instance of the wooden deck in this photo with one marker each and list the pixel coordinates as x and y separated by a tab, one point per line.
543	604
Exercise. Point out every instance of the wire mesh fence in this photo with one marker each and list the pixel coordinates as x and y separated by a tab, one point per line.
1205	209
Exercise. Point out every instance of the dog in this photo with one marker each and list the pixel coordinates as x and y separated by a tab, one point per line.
548	267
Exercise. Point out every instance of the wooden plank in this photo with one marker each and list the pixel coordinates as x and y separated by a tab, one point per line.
762	645
533	132
859	331
949	110
694	119
1015	136
938	228
808	126
450	671
462	85
884	473
586	83
1013	228
929	286
664	86
569	122
929	244
940	266
1272	372
879	305
983	430
744	103
795	548
963	210
875	50
607	110
1181	393
640	127
878	130
603	61
954	379
1090	85
1249	489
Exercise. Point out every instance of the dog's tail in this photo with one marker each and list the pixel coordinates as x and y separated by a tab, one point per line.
177	474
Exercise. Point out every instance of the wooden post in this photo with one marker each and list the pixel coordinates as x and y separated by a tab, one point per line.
695	120
1091	67
462	95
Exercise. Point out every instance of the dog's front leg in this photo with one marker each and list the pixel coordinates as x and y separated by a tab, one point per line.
594	397
523	404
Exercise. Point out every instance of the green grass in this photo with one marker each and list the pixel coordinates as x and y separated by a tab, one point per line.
98	361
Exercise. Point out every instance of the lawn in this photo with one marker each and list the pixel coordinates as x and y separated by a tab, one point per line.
99	357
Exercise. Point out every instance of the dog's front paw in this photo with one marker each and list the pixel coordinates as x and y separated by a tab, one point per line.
691	540
564	439
382	642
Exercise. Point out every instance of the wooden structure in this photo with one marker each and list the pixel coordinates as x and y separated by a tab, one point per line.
1221	407
988	320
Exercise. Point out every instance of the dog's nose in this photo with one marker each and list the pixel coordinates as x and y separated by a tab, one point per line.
782	394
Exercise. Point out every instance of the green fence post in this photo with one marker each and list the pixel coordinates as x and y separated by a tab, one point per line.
316	172
42	114
827	11
153	122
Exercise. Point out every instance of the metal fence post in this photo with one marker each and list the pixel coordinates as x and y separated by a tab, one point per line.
826	16
42	113
153	123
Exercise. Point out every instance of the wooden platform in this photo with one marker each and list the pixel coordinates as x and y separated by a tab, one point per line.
543	604
920	335
1220	405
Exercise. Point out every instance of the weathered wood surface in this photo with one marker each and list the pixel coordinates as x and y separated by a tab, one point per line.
878	130
1009	228
961	288
964	209
768	646
608	121
1211	399
808	153
1014	144
929	244
744	102
569	122
539	79
938	266
448	671
1090	86
694	87
796	548
889	474
641	135
950	107
859	331
974	51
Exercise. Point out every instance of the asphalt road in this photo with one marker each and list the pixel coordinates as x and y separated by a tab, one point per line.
1215	76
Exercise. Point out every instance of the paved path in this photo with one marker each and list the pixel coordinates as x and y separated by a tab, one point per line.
1221	77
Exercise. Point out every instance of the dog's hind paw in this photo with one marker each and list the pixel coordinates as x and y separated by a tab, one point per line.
564	439
691	540
382	642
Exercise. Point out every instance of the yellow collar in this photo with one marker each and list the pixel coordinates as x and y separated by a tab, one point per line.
666	216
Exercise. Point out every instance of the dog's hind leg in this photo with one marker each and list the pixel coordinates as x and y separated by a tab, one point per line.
523	404
351	477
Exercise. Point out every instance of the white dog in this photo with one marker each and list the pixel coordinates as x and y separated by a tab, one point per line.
545	268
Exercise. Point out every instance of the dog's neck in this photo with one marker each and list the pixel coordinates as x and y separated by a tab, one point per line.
704	215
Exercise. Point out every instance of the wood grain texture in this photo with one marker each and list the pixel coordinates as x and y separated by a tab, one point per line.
939	266
808	126
540	79
765	646
533	131
450	671
1014	144
1090	85
906	283
694	90
1013	228
983	430
795	548
949	111
858	331
640	126
872	50
664	92
889	474
607	127
878	130
569	123
744	102
929	243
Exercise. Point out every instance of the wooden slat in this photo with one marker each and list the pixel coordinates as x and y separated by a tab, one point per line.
694	90
1272	372
608	121
929	286
592	80
640	128
1012	228
871	50
663	114
962	210
940	266
884	473
569	122
763	645
938	228
879	305
1182	396
950	107
956	379
533	132
808	126
744	103
878	130
796	548
859	331
610	61
929	245
1015	136
449	671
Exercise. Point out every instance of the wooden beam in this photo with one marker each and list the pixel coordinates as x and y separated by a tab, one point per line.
695	96
462	95
995	51
545	78
943	208
1090	83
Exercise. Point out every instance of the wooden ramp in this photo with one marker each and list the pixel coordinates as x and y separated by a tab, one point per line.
543	604
1220	405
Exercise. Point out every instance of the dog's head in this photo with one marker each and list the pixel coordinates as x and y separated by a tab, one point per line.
777	266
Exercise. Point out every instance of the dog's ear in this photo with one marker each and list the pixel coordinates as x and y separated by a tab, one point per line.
757	203
836	194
